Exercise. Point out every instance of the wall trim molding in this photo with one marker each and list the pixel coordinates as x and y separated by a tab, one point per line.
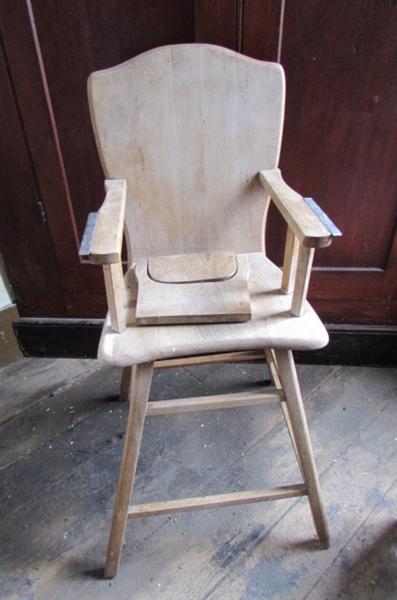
355	345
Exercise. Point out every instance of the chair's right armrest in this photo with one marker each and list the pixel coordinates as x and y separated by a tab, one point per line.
310	230
103	237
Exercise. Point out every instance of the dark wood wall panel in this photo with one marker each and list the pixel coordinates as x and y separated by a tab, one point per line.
217	22
23	232
72	40
34	104
340	139
89	36
261	29
340	146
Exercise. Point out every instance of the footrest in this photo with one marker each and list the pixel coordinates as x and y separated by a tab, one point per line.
205	502
219	401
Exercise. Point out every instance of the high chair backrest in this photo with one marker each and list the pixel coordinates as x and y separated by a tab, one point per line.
189	127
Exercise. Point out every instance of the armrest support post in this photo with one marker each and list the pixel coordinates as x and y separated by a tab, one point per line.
290	262
115	293
303	271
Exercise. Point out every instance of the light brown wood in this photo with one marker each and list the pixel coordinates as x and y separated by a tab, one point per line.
158	122
208	359
217	402
126	382
302	278
192	175
308	228
107	238
271	361
216	501
136	418
289	381
192	268
271	326
290	262
200	302
115	293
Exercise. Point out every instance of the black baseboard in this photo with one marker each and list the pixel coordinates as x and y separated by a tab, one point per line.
355	345
78	338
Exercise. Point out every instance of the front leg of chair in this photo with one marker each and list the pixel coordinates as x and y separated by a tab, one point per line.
303	271
289	381
139	395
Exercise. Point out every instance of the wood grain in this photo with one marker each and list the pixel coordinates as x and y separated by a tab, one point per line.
136	418
107	239
305	224
209	301
115	293
271	325
215	501
302	279
290	262
192	268
213	402
192	197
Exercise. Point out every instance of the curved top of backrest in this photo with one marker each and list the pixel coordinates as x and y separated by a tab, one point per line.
189	126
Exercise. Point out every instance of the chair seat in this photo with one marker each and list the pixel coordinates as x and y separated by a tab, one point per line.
271	326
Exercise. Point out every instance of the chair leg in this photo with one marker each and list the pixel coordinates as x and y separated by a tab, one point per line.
289	381
271	361
138	400
126	381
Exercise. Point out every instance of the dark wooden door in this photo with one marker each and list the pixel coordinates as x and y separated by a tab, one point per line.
341	146
340	139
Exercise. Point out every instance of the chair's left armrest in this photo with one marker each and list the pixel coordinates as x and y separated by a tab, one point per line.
103	237
308	222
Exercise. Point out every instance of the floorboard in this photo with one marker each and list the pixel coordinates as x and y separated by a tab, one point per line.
61	436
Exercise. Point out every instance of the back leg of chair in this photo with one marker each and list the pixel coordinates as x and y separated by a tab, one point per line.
126	380
139	394
289	381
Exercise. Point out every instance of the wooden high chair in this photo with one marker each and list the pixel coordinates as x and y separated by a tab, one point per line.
189	138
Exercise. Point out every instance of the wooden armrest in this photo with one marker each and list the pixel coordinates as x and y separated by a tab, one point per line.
308	228
103	236
310	225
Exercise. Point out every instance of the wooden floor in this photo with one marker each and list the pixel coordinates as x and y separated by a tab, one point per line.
61	442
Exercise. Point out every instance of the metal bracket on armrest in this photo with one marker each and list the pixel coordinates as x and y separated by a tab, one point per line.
85	247
332	228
